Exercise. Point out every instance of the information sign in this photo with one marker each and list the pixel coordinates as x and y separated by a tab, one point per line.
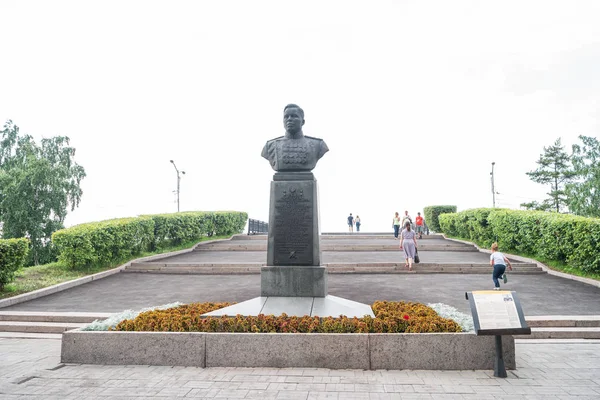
497	312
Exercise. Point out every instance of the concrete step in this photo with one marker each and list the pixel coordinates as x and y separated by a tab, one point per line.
228	246
231	247
36	316
38	327
383	267
326	236
157	267
26	335
518	268
562	333
563	321
424	269
249	237
369	235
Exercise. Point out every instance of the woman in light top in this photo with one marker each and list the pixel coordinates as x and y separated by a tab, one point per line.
357	223
408	243
498	261
396	225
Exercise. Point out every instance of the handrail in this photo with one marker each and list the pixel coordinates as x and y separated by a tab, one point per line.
256	227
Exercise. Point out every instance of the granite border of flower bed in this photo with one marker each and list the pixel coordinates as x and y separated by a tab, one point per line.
427	351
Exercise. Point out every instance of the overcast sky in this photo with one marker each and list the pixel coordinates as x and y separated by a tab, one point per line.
414	99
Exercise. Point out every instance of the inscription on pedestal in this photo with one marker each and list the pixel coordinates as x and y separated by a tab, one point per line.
293	225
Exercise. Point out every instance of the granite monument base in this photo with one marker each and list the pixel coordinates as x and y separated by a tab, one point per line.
293	281
328	306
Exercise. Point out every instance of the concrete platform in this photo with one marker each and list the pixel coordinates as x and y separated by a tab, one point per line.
328	306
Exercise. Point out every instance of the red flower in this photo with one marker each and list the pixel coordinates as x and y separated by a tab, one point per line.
406	317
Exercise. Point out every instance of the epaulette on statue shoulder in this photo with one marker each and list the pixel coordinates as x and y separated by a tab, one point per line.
314	138
276	139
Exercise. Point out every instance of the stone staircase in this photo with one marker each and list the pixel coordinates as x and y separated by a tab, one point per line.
262	246
28	324
358	253
330	242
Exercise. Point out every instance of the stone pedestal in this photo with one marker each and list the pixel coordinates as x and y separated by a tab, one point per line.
293	280
293	249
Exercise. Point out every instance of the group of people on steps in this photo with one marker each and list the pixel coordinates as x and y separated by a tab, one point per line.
408	244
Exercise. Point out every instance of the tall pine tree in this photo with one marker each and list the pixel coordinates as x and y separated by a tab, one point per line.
554	169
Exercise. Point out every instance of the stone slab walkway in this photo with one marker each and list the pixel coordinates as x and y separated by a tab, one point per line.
546	370
540	294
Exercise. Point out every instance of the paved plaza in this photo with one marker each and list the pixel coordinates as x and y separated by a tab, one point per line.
549	369
540	294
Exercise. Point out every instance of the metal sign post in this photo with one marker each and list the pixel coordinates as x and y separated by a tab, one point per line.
497	312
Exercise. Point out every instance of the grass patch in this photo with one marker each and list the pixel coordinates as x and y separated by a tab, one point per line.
28	279
562	267
552	264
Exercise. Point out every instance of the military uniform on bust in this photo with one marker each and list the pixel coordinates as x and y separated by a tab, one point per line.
299	154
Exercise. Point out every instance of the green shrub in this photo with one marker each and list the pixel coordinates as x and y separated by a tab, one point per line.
390	317
432	213
174	229
112	241
448	223
104	242
550	236
13	253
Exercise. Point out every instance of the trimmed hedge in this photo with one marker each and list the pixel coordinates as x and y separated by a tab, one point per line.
112	241
551	236
432	213
13	253
174	229
390	317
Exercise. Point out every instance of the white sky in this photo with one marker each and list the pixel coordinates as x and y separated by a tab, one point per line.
414	99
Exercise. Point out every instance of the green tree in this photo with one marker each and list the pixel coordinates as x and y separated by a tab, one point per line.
584	193
37	185
554	170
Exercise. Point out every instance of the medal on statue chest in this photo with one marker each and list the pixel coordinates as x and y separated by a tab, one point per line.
295	153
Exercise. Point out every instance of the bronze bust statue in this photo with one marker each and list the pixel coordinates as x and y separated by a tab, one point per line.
294	151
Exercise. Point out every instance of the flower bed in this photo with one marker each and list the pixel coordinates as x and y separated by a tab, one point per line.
390	317
173	336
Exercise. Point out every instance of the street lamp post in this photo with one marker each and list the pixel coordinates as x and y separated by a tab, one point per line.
178	182
493	191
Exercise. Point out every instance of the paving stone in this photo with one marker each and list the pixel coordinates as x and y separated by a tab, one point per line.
262	394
